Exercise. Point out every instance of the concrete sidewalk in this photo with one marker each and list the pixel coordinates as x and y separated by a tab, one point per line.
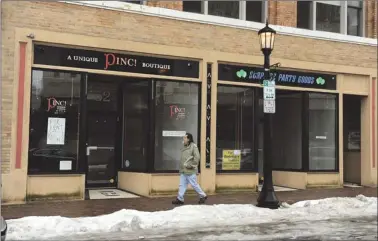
100	207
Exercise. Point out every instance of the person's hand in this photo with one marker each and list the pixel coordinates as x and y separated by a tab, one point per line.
187	165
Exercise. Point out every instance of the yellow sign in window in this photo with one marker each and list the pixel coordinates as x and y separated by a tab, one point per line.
231	160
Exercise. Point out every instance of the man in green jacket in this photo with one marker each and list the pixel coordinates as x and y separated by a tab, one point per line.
190	158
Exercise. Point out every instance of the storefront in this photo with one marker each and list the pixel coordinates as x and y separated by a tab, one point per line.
104	107
109	128
102	124
305	125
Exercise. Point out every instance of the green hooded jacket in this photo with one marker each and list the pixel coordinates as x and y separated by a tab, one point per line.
190	158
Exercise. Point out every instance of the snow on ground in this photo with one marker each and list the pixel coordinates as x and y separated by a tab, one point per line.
191	217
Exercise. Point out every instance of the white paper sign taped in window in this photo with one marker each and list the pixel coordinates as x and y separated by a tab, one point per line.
65	165
174	133
56	130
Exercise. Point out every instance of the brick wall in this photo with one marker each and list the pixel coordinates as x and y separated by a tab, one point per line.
283	13
61	17
371	19
176	5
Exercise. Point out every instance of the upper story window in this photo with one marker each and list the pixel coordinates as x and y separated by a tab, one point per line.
192	6
304	14
255	11
228	9
344	17
354	18
328	17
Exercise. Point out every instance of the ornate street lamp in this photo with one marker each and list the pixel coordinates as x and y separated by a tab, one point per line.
267	197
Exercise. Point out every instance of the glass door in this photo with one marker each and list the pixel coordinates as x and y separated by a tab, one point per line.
102	128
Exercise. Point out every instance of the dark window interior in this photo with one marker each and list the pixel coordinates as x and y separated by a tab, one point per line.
354	21
229	9
303	14
54	122
254	11
328	17
136	125
235	128
287	131
192	6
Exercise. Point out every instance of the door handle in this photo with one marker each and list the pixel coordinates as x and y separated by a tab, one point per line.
90	148
93	148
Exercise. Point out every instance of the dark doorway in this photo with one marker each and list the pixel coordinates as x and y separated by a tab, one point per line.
103	128
352	139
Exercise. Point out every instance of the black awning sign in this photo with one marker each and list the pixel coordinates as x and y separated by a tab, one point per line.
99	60
281	77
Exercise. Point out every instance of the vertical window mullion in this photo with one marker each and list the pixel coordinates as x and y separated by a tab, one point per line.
313	15
205	7
242	10
344	17
265	11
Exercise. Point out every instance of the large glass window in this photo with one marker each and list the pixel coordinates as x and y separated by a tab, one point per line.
304	14
322	131
176	113
136	125
287	131
254	11
328	17
229	9
54	122
354	17
235	129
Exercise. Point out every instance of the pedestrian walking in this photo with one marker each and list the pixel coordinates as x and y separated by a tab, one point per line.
189	161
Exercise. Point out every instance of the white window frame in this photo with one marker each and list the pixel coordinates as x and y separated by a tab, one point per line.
242	10
343	16
362	6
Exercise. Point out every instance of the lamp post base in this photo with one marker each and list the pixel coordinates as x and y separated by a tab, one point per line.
268	199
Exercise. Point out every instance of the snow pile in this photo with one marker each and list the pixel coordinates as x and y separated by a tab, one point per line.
191	216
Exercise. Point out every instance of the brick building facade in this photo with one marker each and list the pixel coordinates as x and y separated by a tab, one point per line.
157	29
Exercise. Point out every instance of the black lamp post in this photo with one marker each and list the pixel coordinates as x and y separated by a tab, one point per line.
267	197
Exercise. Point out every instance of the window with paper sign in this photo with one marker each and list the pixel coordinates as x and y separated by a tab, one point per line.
54	122
322	131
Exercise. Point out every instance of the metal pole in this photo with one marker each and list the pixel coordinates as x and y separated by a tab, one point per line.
267	197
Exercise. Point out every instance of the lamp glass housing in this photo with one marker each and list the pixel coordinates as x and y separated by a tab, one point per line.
267	37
